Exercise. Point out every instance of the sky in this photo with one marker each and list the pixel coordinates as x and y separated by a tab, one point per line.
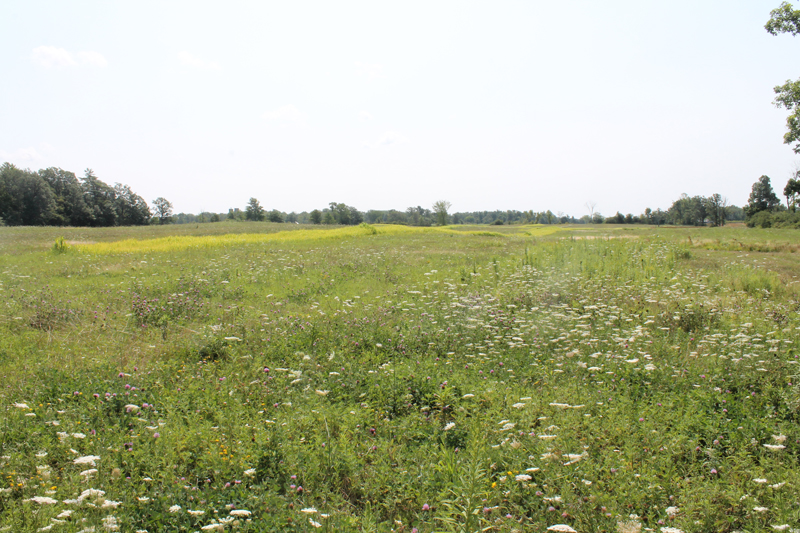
528	105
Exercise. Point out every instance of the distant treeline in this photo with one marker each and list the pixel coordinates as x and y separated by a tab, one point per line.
56	197
696	210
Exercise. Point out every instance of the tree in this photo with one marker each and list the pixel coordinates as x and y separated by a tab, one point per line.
440	209
100	200
254	211
131	208
163	210
715	208
785	19
71	208
25	198
791	191
275	216
316	216
762	197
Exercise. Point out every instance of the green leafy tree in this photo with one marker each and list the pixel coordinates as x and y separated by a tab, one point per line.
762	197
71	208
791	191
440	209
100	200
162	210
132	209
316	216
275	216
786	19
25	198
254	211
716	205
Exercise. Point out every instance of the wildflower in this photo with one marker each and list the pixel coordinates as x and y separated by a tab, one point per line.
110	523
426	507
449	426
314	523
174	508
195	513
632	526
781	527
561	527
21	405
671	511
518	405
87	460
89	473
213	526
43	500
759	480
523	477
322	392
240	512
309	510
250	472
779	439
110	504
94	494
760	509
774	447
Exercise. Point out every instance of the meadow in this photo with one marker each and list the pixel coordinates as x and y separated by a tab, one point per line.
272	377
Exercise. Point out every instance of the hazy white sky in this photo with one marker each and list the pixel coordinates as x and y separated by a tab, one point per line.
490	105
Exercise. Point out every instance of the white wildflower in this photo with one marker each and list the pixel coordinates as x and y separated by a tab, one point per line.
314	523
43	500
21	405
309	510
174	508
88	473
87	460
523	477
250	472
561	527
196	513
449	426
240	512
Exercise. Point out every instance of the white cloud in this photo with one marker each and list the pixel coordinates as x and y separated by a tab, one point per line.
53	57
390	137
363	115
191	60
288	113
370	70
21	154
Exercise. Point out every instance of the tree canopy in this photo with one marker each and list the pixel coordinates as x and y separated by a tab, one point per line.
786	19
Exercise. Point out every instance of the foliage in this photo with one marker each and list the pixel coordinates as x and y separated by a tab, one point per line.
162	210
762	197
440	209
785	19
254	211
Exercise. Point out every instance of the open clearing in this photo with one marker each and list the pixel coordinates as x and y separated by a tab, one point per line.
266	377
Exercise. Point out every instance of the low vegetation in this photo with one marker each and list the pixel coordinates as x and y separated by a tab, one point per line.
236	377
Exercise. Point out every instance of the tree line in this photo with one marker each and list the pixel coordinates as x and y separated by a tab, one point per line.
765	210
56	197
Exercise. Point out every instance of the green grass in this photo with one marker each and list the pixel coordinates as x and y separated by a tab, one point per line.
443	379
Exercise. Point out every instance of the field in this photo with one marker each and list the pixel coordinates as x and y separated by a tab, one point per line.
272	377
